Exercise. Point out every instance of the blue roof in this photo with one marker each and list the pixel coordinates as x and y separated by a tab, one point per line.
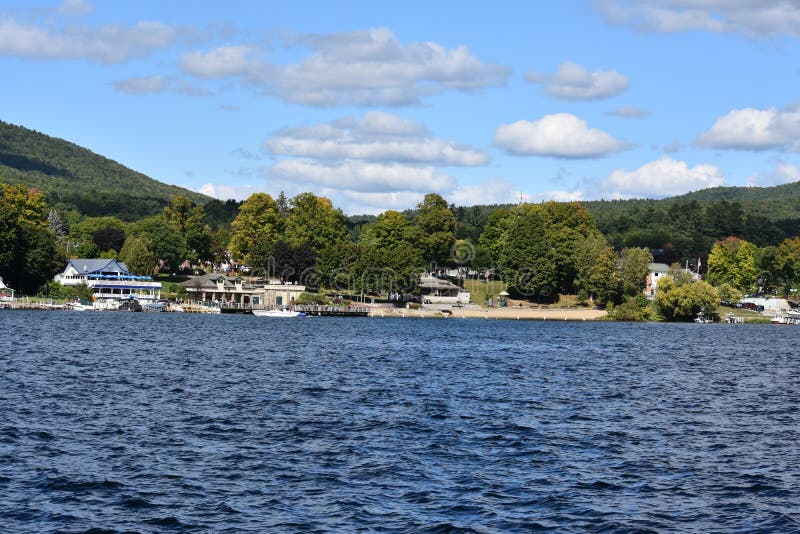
87	266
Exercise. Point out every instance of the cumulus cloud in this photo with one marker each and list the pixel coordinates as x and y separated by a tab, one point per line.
561	135
378	137
491	191
574	82
363	176
783	173
113	43
757	18
375	162
755	129
361	68
220	62
226	192
663	177
629	112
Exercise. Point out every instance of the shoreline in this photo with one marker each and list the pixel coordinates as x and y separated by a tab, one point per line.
521	314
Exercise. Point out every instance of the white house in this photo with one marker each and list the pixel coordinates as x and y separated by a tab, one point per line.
6	293
654	274
109	280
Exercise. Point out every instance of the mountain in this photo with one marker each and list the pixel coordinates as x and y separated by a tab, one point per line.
73	177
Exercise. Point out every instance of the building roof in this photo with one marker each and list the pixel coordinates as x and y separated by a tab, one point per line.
87	266
2	285
661	268
431	282
209	281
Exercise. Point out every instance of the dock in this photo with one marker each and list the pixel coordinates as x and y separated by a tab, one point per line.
333	311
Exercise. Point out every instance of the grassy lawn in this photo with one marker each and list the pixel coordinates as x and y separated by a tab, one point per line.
480	291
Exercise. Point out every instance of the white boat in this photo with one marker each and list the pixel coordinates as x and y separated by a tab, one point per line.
277	313
77	306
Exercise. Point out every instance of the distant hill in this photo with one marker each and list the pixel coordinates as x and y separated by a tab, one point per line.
73	177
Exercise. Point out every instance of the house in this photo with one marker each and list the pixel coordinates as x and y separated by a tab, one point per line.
219	288
6	293
654	274
109	280
437	291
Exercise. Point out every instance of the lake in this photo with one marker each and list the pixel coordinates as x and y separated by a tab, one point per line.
179	422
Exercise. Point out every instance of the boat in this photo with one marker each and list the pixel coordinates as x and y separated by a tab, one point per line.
703	317
788	317
278	313
80	306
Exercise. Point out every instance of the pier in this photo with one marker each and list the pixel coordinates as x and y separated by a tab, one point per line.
333	311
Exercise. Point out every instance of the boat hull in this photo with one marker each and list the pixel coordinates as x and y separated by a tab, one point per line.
277	313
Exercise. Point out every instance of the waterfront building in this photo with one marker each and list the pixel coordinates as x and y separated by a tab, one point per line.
6	293
437	292
226	290
109	280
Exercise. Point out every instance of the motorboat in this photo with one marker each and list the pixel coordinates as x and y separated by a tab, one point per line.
277	313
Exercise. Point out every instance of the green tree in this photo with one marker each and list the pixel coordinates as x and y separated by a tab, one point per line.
189	219
788	260
733	260
256	228
634	265
28	252
389	231
138	254
683	300
315	221
437	224
527	257
490	242
566	224
166	242
597	276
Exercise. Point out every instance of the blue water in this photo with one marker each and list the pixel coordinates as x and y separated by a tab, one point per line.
177	422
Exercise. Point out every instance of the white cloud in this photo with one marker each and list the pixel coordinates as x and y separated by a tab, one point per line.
629	112
373	163
783	173
113	43
359	202
378	137
361	68
752	17
75	7
157	84
663	177
226	192
492	191
220	62
141	86
363	176
561	135
574	82
755	129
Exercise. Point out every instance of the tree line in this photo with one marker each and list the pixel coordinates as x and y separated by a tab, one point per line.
540	250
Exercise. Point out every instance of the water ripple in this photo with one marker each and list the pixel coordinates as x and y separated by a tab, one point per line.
162	422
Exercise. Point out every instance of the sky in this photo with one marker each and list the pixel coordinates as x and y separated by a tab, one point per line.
375	104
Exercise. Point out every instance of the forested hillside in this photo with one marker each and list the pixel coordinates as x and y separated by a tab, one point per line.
74	178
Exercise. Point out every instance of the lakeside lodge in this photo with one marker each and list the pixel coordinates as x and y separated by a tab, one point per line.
109	280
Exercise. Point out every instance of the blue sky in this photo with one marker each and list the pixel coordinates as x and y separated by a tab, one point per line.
374	104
